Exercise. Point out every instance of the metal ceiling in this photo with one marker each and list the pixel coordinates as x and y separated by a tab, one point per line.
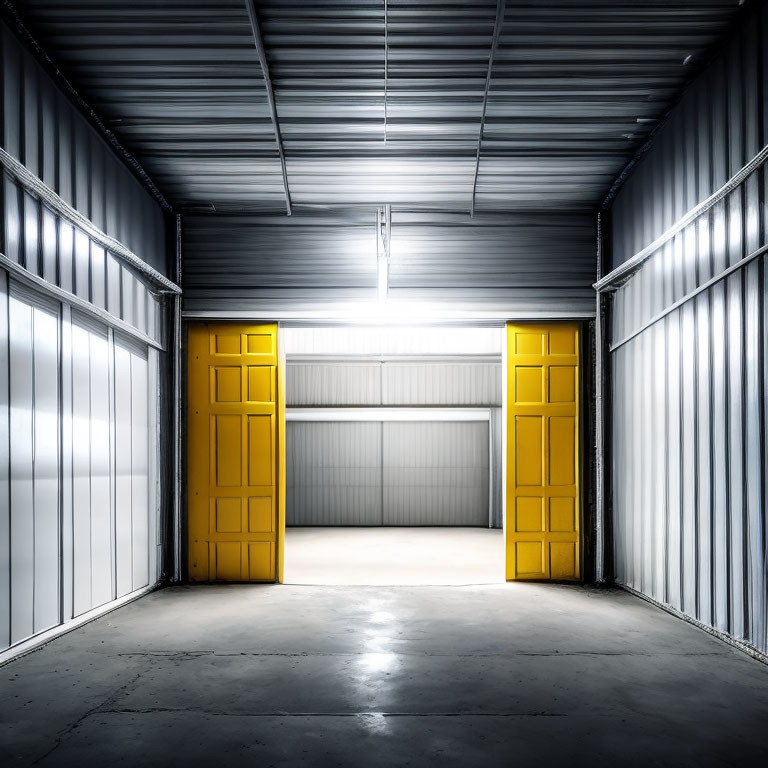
380	101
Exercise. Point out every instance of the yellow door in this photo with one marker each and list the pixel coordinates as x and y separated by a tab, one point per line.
232	456
542	521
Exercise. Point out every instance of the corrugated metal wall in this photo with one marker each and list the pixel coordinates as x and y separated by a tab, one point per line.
689	416
435	473
388	473
79	479
52	139
513	263
78	398
393	340
390	382
334	473
32	582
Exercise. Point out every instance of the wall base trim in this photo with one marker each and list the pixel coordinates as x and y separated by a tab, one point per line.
740	645
37	641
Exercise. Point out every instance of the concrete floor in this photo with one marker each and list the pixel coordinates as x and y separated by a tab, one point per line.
499	675
392	556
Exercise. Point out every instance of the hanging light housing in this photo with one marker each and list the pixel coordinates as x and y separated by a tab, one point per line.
383	232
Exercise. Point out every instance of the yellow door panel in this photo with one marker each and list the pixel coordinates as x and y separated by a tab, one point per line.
233	446
562	450
562	384
562	517
529	514
543	502
261	384
228	515
261	450
530	560
562	560
226	453
261	558
528	463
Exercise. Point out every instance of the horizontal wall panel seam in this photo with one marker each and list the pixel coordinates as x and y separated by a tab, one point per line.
34	185
689	296
613	279
60	294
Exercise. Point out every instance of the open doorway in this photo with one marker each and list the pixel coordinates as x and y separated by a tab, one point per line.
420	399
393	462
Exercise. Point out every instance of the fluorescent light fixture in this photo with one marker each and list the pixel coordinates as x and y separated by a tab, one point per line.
382	279
383	231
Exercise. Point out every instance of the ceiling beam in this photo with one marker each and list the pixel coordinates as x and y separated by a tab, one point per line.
259	43
498	24
386	66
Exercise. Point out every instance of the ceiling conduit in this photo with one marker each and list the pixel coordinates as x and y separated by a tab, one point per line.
259	43
500	8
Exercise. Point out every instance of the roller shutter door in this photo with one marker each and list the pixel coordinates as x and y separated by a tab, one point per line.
388	473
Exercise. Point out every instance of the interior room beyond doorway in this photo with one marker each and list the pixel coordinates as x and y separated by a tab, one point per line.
393	462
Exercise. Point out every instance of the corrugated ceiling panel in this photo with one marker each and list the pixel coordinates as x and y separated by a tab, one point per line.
381	102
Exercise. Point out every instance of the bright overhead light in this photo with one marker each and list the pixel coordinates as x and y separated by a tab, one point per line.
382	278
383	232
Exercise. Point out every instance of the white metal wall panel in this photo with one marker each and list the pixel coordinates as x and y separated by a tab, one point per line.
34	469
141	508
22	486
100	482
460	383
435	473
689	390
81	469
334	473
398	340
390	382
374	473
5	467
309	384
46	469
92	476
77	480
123	471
